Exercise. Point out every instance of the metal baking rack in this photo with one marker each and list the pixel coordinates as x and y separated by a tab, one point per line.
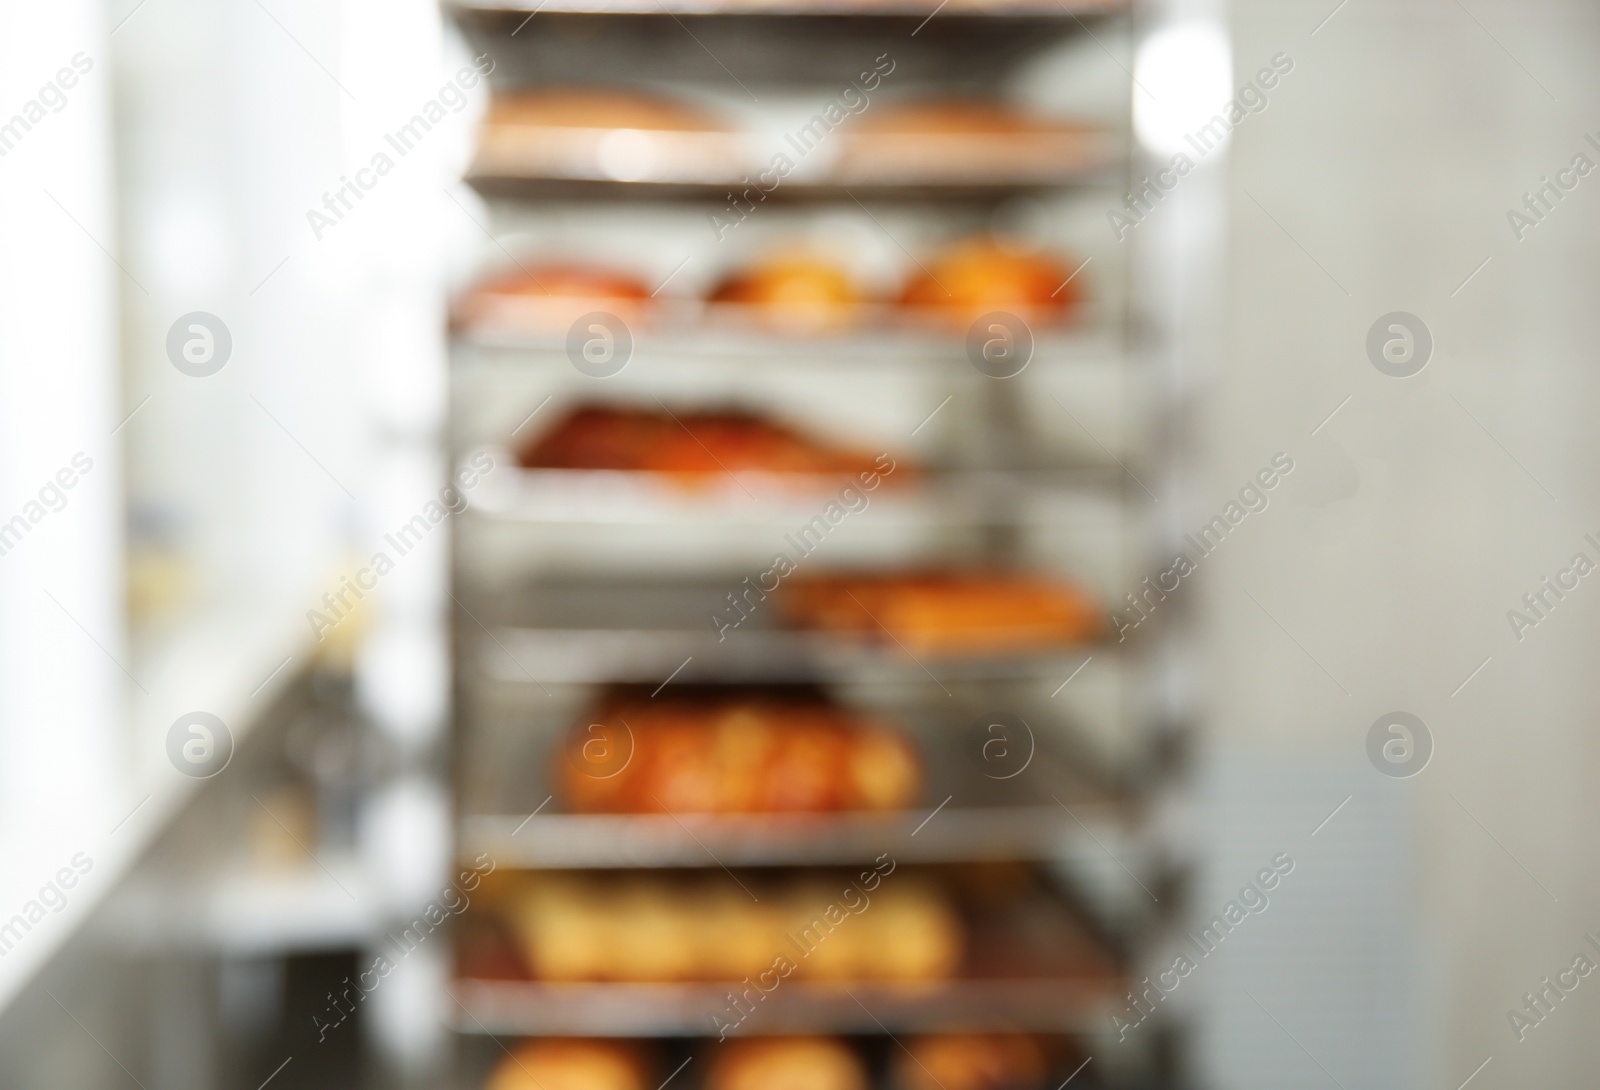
1053	10
547	617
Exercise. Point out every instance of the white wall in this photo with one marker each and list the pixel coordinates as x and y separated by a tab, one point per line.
1389	559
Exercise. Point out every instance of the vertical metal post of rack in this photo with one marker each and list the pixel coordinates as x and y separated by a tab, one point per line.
1177	269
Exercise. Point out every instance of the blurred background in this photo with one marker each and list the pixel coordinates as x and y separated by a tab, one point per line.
796	544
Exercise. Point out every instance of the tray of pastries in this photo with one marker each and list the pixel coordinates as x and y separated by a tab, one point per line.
652	953
649	455
605	134
618	134
925	1061
552	296
964	142
882	921
959	622
943	612
704	751
791	291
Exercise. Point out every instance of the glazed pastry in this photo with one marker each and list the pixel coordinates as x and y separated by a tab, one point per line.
597	108
570	1065
606	927
792	1063
570	282
604	134
978	276
915	933
547	298
950	613
799	294
957	142
685	443
738	753
564	934
883	771
969	1061
656	936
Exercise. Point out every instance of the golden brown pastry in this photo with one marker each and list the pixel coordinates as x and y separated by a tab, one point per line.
571	282
738	937
953	141
883	770
950	613
603	133
656	937
689	445
975	277
563	928
570	1065
916	935
598	108
786	1063
794	293
650	928
969	1061
704	751
959	116
543	298
832	936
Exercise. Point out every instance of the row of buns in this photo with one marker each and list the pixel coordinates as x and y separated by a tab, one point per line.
702	750
939	1061
692	441
598	927
621	134
797	290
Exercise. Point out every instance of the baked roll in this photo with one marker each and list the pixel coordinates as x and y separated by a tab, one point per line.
570	1065
786	1063
798	294
604	134
949	613
969	1061
964	142
734	753
686	444
549	298
975	277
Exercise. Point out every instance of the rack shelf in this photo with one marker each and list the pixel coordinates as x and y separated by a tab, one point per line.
504	185
577	655
695	330
1071	1004
1053	10
956	834
620	498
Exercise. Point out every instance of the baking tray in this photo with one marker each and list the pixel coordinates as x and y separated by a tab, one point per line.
646	631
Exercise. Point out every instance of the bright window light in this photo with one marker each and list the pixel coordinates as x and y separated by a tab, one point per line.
1184	73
